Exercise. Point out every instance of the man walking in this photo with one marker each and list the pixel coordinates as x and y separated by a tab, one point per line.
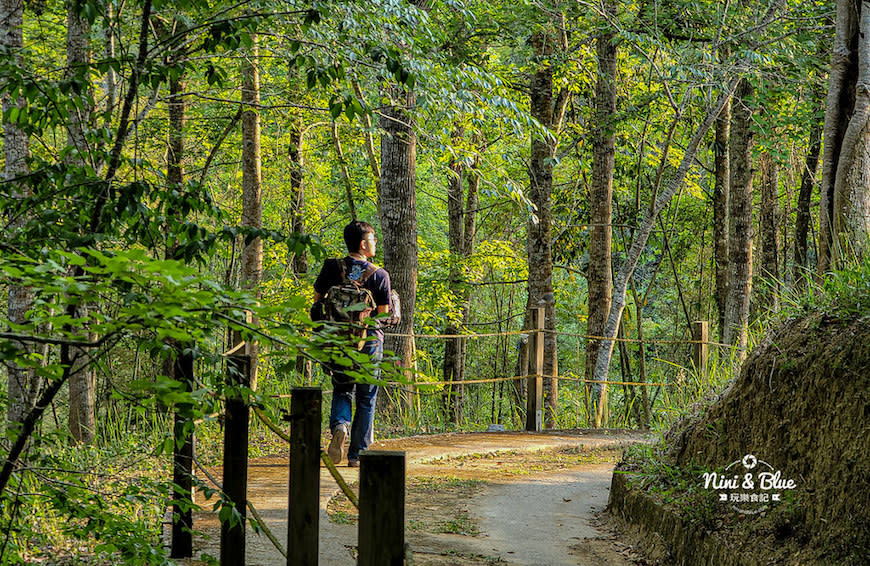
359	237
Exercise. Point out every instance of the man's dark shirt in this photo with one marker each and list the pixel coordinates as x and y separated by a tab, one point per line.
378	283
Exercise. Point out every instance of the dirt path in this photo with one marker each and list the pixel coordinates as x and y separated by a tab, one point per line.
513	498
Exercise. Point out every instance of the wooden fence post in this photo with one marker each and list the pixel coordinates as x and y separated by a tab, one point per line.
700	348
182	465
535	380
304	497
381	508
235	478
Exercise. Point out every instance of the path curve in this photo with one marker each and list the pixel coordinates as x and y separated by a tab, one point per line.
545	519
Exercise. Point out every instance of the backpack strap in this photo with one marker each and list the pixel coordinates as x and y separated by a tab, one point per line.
342	270
370	270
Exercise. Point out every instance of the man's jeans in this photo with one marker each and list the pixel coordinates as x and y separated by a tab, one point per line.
343	395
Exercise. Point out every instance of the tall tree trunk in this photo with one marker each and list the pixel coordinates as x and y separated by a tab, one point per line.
252	201
721	203
299	263
83	378
297	191
345	173
398	210
180	368
839	108
461	227
601	200
802	221
851	192
452	370
111	79
539	246
768	223
740	216
23	383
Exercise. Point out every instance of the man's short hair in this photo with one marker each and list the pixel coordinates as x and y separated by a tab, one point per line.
355	233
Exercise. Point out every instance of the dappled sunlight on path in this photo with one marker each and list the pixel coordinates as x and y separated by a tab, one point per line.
533	508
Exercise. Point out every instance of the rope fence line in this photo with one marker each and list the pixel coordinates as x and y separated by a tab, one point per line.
521	377
404	387
452	336
557	333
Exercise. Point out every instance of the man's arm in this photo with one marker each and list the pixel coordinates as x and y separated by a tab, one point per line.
382	290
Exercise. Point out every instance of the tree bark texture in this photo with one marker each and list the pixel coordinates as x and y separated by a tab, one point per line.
721	202
398	210
539	245
838	110
297	191
740	220
110	84
852	183
601	200
461	227
345	173
768	224
78	68
252	199
23	385
802	219
453	367
83	378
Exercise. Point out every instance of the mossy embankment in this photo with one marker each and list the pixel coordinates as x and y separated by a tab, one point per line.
799	403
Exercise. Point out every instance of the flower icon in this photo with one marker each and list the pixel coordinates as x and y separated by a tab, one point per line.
750	461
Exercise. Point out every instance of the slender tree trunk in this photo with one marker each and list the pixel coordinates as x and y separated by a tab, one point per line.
299	262
111	79
644	409
802	221
23	384
369	138
851	192
345	173
297	188
468	232
462	210
601	199
252	200
740	225
452	371
539	246
721	203
398	209
83	378
839	109
769	230
180	367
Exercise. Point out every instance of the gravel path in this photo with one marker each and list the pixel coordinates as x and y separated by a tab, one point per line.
545	519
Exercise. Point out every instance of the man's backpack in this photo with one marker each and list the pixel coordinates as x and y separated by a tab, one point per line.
350	304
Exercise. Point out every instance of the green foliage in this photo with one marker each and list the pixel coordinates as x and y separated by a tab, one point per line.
109	499
842	293
160	262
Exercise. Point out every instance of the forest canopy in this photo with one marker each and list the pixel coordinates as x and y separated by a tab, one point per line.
175	173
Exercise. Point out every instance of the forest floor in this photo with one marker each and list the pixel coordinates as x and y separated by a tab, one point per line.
507	498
